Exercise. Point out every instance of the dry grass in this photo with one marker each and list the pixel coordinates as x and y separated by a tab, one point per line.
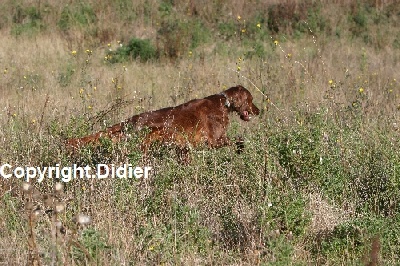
305	74
326	217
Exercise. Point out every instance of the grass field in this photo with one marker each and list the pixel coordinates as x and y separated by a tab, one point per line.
317	184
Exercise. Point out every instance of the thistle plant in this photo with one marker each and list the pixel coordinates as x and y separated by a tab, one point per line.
51	206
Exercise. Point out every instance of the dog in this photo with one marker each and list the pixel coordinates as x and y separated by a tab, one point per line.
199	122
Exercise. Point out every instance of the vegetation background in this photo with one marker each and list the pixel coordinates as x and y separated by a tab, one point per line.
317	184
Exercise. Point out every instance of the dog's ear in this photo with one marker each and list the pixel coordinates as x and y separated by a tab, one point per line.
235	99
239	87
237	96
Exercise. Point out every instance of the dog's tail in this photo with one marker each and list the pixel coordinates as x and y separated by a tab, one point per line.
114	133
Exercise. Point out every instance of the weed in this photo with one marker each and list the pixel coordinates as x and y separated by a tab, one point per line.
52	204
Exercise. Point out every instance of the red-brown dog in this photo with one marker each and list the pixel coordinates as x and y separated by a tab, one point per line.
192	124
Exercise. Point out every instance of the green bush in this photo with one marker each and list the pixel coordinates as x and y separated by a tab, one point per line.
314	23
135	49
26	20
65	75
227	30
94	242
177	35
81	15
353	239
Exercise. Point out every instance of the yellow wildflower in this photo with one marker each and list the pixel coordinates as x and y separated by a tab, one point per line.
330	82
73	52
239	17
258	25
276	42
361	90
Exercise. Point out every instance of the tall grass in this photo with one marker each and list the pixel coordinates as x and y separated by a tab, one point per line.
318	182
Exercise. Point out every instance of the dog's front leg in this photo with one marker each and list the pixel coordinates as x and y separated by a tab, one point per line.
225	141
239	141
221	142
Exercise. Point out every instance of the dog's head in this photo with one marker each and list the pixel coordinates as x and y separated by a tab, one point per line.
240	100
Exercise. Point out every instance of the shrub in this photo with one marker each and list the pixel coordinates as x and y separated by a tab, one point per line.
26	20
227	30
78	15
295	18
350	240
135	49
177	37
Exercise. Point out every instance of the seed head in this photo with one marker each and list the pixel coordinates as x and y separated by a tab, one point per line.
82	219
26	186
60	207
58	224
59	187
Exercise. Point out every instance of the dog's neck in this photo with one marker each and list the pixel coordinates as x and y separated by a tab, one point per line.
227	102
